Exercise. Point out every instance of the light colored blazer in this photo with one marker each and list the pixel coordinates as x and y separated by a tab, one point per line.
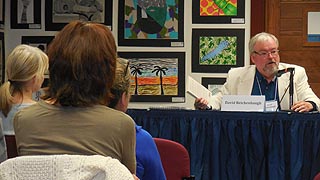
240	82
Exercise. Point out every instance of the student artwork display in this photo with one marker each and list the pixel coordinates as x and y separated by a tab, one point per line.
218	11
213	84
41	42
151	23
25	14
60	12
156	76
2	61
217	50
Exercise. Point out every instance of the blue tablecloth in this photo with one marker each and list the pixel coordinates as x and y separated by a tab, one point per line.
241	145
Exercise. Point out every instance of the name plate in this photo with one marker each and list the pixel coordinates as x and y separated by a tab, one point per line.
243	103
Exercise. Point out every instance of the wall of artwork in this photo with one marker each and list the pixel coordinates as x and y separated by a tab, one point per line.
165	43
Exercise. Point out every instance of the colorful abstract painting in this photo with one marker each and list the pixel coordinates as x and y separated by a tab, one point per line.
218	50
141	22
218	7
218	11
155	75
156	19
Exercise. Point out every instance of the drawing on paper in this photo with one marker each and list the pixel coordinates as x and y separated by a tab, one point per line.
218	7
216	50
154	76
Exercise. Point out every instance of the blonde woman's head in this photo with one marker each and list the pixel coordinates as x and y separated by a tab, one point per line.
24	63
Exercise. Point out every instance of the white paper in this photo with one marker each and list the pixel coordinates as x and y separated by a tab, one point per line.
197	90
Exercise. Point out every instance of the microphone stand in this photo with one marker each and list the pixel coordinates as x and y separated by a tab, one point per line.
278	74
291	89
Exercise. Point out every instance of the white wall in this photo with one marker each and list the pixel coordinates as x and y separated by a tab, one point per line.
13	38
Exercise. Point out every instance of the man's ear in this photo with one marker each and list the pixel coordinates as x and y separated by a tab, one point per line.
252	59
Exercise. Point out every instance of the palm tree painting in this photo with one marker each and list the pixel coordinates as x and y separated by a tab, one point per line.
154	76
135	71
160	71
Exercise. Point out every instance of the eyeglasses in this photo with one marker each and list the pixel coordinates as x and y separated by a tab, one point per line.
265	54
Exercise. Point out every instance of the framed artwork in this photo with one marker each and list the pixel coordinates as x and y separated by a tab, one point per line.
151	23
217	50
311	29
41	42
156	76
213	84
60	12
218	11
25	14
2	5
2	60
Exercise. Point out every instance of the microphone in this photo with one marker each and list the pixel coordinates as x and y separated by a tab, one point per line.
282	71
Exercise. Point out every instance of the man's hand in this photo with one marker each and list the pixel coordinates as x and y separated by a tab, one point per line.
201	103
302	106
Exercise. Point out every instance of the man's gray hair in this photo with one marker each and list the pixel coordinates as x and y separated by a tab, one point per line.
263	36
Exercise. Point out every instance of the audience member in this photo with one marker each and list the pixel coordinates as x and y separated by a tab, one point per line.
149	164
74	118
25	70
261	79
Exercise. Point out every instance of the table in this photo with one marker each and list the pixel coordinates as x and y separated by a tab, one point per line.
240	145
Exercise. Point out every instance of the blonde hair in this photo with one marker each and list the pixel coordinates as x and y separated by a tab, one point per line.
22	64
121	82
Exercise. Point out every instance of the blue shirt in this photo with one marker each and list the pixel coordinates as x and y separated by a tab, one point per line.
149	164
262	87
6	127
8	121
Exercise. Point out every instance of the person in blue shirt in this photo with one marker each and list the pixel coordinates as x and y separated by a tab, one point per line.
263	77
149	164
